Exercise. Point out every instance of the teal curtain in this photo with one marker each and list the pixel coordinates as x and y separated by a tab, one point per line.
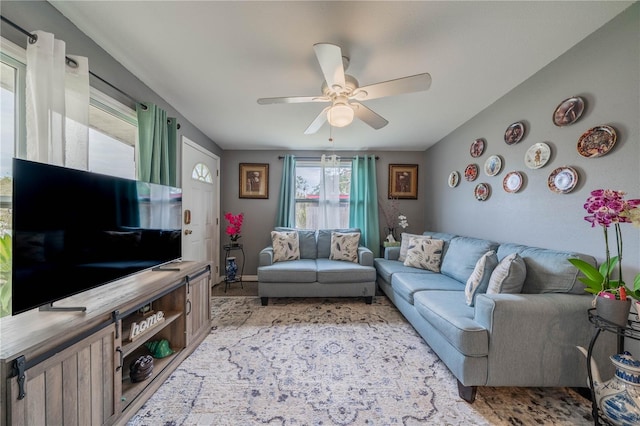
363	202
157	145
287	203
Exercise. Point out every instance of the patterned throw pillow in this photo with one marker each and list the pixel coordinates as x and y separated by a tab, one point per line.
405	239
424	253
509	275
285	245
479	279
344	246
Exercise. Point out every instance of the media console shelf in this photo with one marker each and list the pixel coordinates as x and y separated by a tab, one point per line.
73	367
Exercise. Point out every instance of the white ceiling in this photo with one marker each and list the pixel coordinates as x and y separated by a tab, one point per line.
211	60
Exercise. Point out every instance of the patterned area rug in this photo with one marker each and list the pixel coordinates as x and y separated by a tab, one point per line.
333	362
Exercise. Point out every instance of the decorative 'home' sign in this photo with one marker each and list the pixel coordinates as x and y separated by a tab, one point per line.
146	325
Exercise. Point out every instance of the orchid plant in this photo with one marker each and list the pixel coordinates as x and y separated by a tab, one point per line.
608	207
235	225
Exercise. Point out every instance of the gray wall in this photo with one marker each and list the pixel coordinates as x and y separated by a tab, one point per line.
40	15
605	70
260	214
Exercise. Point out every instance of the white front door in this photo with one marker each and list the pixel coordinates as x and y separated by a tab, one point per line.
200	204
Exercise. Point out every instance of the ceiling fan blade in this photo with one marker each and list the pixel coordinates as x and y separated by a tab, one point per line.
330	59
368	116
318	122
293	100
414	83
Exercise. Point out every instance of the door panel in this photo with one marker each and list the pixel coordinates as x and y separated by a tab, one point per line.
200	196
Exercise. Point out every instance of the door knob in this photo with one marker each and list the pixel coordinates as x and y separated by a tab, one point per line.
187	231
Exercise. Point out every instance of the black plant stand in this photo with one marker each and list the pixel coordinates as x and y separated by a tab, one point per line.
632	331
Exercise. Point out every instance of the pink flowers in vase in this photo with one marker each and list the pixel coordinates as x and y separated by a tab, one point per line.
235	226
608	207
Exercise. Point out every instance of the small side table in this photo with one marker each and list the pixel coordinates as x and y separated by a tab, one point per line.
228	248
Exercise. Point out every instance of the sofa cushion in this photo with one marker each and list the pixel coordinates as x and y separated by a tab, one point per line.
509	275
479	279
405	240
292	271
386	268
548	271
454	320
406	284
337	272
424	254
462	254
344	246
285	245
307	241
324	240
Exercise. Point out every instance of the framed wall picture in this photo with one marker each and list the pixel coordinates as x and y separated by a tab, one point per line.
254	180
403	181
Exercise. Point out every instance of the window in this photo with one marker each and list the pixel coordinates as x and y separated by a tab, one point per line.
113	135
201	172
309	199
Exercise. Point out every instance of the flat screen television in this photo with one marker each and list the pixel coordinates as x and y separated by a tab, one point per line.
75	230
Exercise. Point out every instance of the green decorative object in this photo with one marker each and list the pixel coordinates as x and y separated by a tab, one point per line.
159	348
391	243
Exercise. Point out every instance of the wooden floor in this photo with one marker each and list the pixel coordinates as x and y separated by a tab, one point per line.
248	288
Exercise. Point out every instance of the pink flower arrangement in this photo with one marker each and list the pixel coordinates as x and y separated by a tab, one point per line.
235	225
608	207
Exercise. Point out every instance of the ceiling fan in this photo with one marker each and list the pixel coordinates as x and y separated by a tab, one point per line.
344	94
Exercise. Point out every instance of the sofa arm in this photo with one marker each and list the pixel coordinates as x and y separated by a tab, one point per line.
365	256
533	338
392	253
266	256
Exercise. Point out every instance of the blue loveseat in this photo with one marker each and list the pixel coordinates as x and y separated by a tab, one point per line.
527	338
314	274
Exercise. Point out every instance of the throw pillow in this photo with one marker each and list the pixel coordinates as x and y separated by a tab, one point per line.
344	246
424	253
479	279
285	245
405	240
509	275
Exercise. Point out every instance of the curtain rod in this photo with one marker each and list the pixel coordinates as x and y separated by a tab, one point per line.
280	157
69	61
72	63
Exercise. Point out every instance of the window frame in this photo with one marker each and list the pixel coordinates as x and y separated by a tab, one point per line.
316	202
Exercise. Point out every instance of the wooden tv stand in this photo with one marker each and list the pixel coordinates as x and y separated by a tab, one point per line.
73	367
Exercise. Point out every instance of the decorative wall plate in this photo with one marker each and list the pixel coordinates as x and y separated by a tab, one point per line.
482	191
597	141
569	111
512	182
471	172
454	178
493	165
537	155
563	180
514	133
477	148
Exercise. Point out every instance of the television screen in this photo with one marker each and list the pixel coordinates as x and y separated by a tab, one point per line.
74	230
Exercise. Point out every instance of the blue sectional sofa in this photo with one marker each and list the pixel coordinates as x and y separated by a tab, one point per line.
315	274
523	338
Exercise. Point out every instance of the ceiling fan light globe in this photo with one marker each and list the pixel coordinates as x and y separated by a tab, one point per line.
340	115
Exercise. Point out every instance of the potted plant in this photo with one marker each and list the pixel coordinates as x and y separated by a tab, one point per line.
608	207
234	227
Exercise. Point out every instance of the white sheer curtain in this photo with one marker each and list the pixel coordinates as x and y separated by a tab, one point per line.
329	204
57	104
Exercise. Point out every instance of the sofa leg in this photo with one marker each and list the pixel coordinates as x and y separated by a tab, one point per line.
264	300
468	393
368	300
